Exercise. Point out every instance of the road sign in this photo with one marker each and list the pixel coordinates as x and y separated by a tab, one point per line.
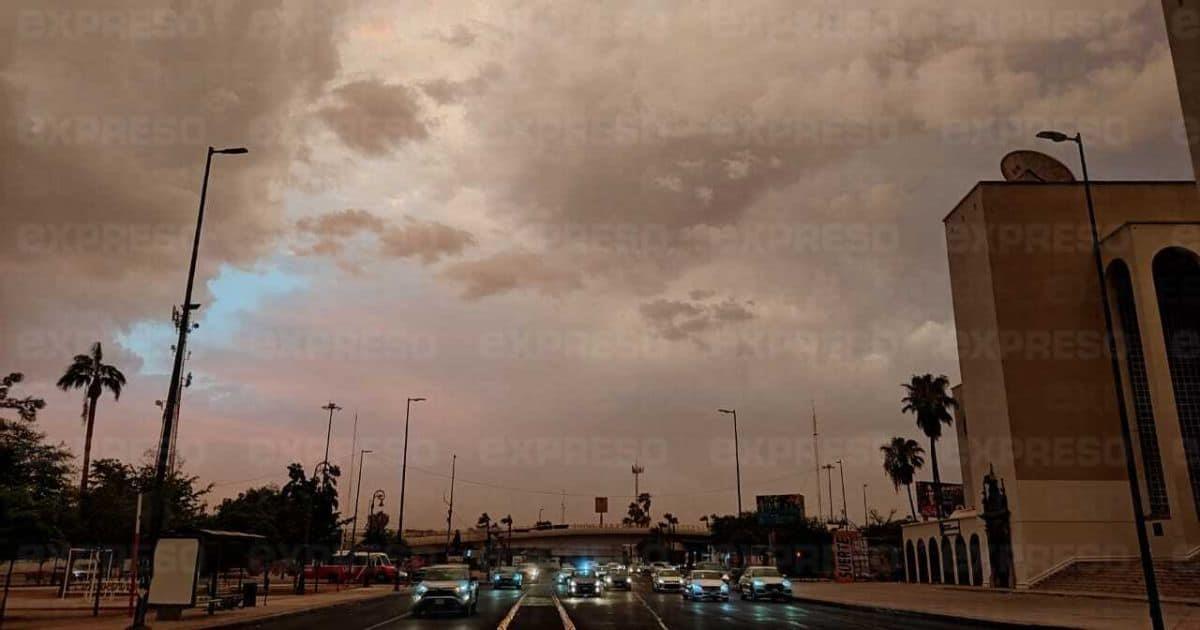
601	505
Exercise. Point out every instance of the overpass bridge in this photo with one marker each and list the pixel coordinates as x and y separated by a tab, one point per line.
592	541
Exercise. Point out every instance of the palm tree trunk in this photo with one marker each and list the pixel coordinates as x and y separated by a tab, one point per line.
87	447
937	478
911	506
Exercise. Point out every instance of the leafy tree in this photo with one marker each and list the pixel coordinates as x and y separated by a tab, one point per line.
115	493
90	373
902	458
507	521
376	534
34	478
261	511
316	500
926	398
639	512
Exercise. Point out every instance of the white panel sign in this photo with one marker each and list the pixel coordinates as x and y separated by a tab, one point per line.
176	569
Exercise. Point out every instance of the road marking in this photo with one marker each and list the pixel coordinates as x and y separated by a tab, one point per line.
661	625
562	614
512	613
392	620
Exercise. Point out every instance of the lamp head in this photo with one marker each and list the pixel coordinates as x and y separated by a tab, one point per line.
232	150
1054	136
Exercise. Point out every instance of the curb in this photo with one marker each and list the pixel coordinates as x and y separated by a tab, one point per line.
978	622
256	621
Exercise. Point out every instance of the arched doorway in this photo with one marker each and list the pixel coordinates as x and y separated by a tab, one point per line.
935	562
947	561
910	562
1177	281
1139	386
922	562
976	561
960	559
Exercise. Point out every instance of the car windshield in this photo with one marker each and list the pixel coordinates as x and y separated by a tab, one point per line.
668	573
585	573
767	572
618	573
445	574
706	575
506	570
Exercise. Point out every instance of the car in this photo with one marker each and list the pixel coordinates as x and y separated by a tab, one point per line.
712	566
507	577
704	584
564	574
618	579
763	582
585	583
531	571
667	580
446	588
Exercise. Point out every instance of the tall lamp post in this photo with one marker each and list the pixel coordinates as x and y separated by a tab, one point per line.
404	467
736	457
828	468
866	512
164	447
332	407
357	493
1135	492
842	473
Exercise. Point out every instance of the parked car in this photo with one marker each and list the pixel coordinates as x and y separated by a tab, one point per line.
762	582
446	588
667	580
564	574
507	577
701	585
585	583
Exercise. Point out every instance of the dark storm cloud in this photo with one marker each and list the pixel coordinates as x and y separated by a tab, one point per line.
374	117
429	241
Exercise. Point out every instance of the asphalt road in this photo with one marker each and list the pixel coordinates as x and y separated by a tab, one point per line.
542	606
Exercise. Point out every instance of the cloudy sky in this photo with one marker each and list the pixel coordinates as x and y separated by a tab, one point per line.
577	229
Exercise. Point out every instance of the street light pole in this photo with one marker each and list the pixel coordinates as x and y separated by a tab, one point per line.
866	512
357	493
1135	492
332	407
842	472
164	447
828	468
736	456
404	468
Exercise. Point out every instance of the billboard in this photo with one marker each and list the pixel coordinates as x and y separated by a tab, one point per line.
601	505
850	559
779	509
952	498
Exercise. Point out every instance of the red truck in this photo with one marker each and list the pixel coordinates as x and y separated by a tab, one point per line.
361	566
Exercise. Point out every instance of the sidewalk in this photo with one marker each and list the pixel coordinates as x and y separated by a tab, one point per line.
1004	606
25	612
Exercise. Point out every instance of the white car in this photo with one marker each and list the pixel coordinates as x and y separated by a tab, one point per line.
667	580
764	583
446	588
701	585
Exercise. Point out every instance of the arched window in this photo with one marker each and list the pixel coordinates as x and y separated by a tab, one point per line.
1139	386
910	562
922	562
1177	281
947	561
960	559
935	562
976	561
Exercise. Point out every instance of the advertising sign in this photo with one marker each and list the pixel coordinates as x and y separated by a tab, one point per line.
601	505
779	509
952	499
176	569
850	560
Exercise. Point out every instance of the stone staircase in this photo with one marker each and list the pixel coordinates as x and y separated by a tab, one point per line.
1176	578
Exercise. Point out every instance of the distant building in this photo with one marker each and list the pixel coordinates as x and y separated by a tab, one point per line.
1039	436
1183	31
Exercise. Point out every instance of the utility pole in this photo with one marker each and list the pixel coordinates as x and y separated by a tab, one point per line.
842	472
157	507
736	457
828	468
353	450
562	516
637	471
817	456
357	494
404	468
866	512
332	407
450	512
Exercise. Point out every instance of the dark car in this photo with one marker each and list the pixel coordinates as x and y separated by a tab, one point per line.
618	579
585	583
507	577
446	588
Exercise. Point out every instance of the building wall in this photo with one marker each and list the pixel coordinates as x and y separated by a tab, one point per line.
1034	361
1183	31
971	489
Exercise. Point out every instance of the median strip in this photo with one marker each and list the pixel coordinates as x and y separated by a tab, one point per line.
562	614
512	613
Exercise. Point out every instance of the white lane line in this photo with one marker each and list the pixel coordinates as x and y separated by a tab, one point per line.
512	613
661	625
392	620
562	615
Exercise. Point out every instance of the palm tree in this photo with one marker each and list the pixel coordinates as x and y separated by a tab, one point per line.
926	398
507	521
902	458
90	373
485	523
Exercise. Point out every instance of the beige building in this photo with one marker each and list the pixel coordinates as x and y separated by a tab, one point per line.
1183	31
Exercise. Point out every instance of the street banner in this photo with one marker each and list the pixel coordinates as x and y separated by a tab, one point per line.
850	560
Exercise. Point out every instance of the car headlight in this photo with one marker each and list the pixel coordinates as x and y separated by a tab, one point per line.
724	588
757	583
463	589
608	579
420	591
786	583
571	583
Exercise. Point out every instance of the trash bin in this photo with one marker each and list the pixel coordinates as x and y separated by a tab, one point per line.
249	594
